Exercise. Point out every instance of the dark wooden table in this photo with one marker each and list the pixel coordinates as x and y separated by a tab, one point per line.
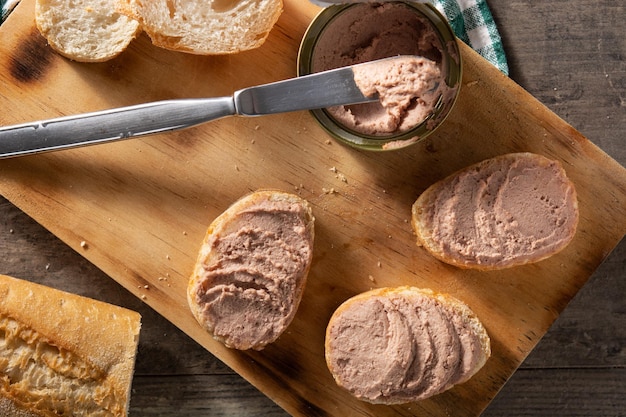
571	55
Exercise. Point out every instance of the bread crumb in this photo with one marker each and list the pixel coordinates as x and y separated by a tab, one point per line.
371	278
333	169
379	264
143	296
328	142
83	244
147	287
184	233
257	127
11	231
47	267
329	191
167	257
343	178
472	83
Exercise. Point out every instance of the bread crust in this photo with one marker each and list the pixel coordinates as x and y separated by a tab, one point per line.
209	254
10	407
422	212
450	305
82	352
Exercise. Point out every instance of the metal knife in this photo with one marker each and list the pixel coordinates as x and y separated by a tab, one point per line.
319	90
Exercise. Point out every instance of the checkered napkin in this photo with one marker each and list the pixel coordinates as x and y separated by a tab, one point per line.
5	8
471	21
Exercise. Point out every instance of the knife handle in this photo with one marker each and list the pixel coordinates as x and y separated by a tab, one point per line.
110	125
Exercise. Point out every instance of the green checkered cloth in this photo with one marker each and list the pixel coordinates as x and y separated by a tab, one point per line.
5	8
471	21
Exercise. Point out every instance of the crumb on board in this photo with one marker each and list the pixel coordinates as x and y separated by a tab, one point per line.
83	244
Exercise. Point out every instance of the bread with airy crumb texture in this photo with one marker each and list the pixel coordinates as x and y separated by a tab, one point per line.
252	268
505	211
85	30
212	27
62	354
404	344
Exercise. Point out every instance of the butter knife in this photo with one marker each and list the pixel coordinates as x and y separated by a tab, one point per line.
319	90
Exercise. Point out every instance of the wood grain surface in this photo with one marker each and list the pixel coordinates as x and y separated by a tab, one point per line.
171	380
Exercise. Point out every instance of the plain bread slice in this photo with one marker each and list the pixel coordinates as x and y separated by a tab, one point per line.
85	30
212	27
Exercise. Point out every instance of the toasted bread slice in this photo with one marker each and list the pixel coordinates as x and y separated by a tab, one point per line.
252	269
503	212
403	344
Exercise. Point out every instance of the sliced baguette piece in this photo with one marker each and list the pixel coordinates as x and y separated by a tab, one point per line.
63	354
212	27
506	211
85	30
252	268
403	344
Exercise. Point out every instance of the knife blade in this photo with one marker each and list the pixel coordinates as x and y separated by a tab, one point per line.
319	90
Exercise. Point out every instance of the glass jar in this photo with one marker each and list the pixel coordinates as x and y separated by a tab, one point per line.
360	32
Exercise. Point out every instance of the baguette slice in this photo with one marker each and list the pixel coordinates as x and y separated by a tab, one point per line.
404	344
503	212
85	30
212	27
252	268
63	354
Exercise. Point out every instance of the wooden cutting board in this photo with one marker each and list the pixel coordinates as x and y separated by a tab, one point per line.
139	209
